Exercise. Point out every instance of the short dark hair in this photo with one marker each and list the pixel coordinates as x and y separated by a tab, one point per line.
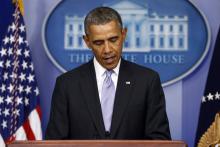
101	15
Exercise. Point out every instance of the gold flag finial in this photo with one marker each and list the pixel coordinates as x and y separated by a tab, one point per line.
211	137
20	5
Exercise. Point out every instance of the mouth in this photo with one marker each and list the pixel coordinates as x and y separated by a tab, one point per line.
109	59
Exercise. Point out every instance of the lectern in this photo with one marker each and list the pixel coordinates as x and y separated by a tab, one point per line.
97	143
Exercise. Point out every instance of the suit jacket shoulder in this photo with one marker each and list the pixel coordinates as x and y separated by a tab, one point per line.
76	72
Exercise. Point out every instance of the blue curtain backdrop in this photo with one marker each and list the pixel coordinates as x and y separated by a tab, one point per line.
183	98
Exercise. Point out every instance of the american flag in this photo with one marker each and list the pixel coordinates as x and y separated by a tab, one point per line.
20	115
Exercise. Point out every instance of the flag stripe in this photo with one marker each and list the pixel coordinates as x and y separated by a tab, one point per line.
28	130
2	143
20	134
35	122
39	111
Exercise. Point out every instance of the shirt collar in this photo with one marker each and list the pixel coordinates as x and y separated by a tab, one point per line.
101	70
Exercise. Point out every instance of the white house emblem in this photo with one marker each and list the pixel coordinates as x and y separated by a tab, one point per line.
172	41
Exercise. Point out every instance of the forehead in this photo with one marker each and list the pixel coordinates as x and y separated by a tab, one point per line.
108	29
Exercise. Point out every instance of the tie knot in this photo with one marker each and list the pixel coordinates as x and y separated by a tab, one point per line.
108	73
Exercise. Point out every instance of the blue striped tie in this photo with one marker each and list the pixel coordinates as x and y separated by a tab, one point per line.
107	101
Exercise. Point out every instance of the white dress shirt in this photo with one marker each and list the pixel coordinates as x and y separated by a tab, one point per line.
100	75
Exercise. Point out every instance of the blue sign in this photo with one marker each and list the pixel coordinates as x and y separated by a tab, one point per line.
171	37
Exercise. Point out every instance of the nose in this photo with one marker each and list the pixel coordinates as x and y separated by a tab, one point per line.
107	47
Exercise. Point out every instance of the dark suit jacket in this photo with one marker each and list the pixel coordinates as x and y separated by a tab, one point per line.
139	108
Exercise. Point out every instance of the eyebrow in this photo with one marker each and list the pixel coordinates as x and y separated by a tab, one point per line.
100	40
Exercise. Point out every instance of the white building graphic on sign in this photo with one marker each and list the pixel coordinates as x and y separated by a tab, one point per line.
146	31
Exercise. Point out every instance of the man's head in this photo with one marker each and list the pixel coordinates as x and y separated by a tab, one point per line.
105	35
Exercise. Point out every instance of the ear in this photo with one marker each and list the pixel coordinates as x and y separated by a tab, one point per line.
124	33
86	39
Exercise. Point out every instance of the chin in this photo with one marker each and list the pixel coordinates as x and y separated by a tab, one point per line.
111	66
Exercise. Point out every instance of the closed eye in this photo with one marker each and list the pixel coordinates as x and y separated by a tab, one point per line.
98	42
113	39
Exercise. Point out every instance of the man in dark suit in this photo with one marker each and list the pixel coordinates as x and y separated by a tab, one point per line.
131	106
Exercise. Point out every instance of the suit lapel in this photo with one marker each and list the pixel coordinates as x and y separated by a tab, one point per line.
123	95
90	91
